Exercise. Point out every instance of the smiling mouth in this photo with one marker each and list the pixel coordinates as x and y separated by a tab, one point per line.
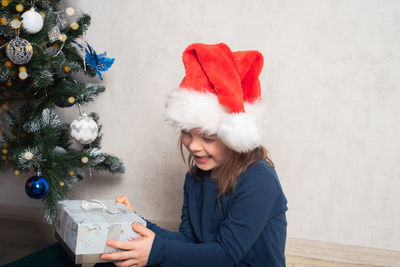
202	157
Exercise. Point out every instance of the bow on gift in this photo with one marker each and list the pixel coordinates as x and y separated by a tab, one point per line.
95	204
98	62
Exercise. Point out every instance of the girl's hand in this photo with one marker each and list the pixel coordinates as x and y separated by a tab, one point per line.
124	200
136	252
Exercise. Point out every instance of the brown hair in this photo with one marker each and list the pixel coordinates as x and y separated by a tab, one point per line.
229	172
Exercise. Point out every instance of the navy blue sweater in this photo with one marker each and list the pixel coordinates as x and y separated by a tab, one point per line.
247	228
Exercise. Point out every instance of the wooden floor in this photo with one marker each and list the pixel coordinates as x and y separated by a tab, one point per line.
19	238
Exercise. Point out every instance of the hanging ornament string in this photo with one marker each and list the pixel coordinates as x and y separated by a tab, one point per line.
79	109
81	113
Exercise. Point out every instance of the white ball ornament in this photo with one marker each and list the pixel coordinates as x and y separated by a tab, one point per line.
32	21
84	130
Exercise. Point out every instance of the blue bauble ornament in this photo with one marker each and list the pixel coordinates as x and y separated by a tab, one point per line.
37	187
65	102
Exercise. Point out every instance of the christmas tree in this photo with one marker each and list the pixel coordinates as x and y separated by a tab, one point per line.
42	59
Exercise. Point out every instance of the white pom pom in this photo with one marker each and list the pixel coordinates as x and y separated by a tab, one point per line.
32	21
240	132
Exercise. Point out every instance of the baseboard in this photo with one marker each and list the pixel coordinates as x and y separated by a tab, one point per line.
21	213
342	253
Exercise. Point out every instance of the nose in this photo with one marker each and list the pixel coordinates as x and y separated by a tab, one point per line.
195	144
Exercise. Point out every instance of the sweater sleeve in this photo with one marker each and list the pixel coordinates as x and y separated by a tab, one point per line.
185	233
252	205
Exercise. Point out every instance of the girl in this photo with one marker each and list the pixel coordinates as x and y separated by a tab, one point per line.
234	208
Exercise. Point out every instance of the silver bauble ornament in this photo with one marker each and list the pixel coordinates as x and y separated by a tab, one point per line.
32	21
84	130
54	34
19	51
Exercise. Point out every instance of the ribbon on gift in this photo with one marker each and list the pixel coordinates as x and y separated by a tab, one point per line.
113	229
95	204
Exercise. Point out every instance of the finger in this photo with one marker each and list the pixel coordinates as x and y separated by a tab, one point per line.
125	245
123	255
130	262
124	200
142	230
121	199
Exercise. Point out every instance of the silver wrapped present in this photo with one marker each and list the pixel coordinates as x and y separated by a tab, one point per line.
83	227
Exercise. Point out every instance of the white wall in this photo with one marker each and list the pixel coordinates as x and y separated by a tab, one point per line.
330	85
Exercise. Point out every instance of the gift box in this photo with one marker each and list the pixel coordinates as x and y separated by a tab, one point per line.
83	226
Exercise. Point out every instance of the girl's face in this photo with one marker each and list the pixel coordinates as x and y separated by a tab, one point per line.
208	151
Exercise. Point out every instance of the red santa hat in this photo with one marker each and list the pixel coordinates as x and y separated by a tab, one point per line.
220	94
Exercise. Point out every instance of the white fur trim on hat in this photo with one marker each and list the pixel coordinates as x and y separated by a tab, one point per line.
188	109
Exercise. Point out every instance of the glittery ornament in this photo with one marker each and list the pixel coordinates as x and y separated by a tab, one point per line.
54	34
32	22
19	51
37	187
84	160
84	130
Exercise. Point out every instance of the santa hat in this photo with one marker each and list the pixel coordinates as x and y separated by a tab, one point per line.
220	94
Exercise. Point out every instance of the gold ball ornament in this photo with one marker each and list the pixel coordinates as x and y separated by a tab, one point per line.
74	26
16	172
8	64
67	69
4	151
84	160
4	157
28	155
61	183
71	173
19	7
22	69
9	83
53	164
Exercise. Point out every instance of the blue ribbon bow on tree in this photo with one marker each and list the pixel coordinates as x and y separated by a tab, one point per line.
99	63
